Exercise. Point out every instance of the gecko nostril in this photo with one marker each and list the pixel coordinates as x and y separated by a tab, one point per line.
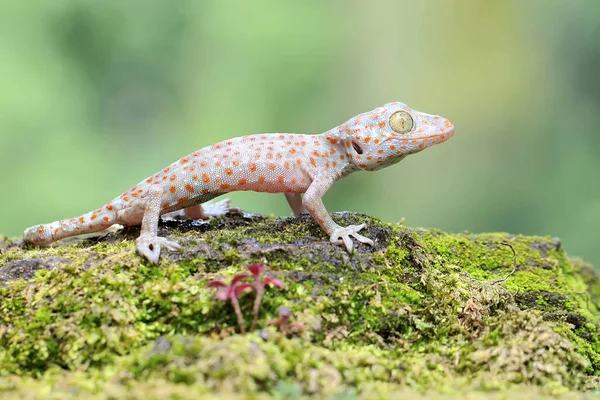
151	247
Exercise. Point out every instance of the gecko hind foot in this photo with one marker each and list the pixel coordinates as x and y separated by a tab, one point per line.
342	236
149	247
217	208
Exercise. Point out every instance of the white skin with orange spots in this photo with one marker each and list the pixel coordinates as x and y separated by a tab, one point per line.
275	163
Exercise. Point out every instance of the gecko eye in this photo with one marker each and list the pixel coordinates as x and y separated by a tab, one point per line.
401	122
357	147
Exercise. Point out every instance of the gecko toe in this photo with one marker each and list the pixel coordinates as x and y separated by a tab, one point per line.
342	236
149	247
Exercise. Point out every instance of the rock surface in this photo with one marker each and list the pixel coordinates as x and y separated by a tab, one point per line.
424	311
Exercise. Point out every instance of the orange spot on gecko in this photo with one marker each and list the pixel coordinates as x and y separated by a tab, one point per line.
294	181
286	165
362	165
109	207
369	157
380	151
166	169
236	162
195	177
333	164
182	200
205	178
292	151
93	217
342	157
272	166
125	198
242	181
172	189
252	167
332	140
203	163
224	186
376	141
381	125
313	162
392	147
105	219
261	179
280	179
228	171
331	150
164	178
218	164
205	191
149	180
81	221
173	177
367	139
184	160
189	188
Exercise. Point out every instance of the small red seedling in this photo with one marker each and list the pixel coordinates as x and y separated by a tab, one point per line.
257	271
231	292
284	321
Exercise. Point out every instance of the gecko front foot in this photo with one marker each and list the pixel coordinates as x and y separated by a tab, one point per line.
341	236
149	246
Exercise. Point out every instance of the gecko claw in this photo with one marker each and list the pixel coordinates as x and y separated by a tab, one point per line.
149	247
341	236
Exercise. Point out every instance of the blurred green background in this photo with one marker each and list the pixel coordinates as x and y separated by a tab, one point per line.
97	95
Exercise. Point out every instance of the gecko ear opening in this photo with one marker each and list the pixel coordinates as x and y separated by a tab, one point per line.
357	147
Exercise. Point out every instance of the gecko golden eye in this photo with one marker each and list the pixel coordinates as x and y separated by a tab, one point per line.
401	122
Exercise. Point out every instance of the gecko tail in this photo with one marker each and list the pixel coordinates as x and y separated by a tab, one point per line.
44	234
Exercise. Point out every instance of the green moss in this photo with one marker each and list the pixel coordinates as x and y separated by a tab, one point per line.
423	310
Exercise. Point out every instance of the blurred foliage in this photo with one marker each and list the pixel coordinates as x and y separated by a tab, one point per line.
98	95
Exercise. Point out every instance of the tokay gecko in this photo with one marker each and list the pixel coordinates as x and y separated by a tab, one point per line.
275	163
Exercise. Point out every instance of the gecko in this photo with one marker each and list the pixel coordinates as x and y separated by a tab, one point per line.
302	166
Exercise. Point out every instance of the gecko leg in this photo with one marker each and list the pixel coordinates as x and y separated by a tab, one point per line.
149	244
338	235
295	202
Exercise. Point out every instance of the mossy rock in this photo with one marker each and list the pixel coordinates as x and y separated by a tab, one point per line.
423	311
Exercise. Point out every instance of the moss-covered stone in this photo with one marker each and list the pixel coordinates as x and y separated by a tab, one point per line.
421	311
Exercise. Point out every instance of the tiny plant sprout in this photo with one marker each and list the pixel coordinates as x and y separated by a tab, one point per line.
232	292
283	322
257	271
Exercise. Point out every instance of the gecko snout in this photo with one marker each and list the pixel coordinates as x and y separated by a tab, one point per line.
445	130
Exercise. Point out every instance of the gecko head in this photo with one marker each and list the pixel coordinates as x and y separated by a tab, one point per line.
387	134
